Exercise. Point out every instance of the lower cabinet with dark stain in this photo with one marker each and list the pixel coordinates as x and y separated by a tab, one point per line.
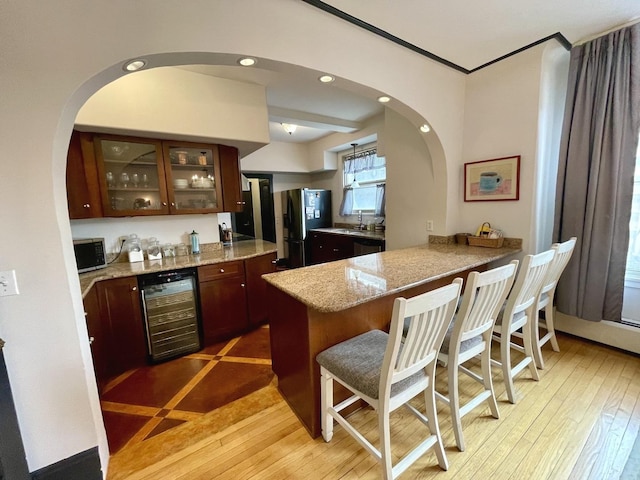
223	301
121	337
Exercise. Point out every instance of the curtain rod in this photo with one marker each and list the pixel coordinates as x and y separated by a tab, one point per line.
363	152
607	32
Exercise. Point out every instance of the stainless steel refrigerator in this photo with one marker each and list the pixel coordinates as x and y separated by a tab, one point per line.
304	209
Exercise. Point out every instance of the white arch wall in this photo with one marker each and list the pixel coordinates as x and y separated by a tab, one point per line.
53	58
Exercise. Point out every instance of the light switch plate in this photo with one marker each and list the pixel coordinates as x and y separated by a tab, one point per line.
8	283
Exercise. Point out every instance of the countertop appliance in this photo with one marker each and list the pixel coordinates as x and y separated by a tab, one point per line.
305	208
90	254
171	316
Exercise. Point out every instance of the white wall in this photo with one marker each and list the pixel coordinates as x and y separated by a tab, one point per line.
52	64
501	120
278	157
414	193
181	103
166	228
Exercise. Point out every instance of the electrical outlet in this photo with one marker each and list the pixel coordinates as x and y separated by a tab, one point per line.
8	283
429	225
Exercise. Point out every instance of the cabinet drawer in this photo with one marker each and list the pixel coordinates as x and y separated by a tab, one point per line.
220	270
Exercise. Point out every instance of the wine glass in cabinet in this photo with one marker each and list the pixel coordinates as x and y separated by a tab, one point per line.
132	176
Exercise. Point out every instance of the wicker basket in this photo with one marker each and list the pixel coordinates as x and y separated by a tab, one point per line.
485	242
461	238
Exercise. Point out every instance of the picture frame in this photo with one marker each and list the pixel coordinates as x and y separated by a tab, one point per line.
497	179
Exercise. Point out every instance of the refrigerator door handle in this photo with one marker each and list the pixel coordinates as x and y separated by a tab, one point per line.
289	212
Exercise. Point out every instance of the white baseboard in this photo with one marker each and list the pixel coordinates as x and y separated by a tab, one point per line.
614	334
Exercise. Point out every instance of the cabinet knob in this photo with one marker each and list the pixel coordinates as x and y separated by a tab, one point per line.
134	289
336	249
274	262
91	339
87	205
222	270
240	203
242	285
164	204
173	204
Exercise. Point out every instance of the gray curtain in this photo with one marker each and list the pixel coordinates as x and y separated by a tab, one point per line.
595	172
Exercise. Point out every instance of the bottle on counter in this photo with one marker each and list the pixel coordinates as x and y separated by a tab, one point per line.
195	243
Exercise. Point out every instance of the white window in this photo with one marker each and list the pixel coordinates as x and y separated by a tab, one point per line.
633	256
364	174
631	298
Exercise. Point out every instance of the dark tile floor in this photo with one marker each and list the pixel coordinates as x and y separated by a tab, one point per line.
150	400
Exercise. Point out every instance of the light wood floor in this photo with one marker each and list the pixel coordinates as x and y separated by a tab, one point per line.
578	422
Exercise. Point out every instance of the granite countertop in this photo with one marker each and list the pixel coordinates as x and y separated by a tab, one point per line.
336	286
352	232
236	251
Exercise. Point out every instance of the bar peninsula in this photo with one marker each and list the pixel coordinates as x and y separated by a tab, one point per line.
316	307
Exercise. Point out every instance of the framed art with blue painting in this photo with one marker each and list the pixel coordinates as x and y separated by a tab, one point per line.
492	180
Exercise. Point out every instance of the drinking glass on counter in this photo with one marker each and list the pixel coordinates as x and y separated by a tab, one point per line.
168	250
181	249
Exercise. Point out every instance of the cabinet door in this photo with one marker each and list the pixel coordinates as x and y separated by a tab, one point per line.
327	247
120	310
131	175
223	306
99	334
231	179
257	301
83	194
318	248
339	246
193	177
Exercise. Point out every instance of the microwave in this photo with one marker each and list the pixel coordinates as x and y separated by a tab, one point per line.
90	254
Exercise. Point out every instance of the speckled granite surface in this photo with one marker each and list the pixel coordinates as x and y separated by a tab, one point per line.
236	251
336	286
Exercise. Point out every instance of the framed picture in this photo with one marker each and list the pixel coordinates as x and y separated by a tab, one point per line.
492	180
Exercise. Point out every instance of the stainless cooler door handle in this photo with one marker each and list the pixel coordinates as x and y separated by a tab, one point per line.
146	320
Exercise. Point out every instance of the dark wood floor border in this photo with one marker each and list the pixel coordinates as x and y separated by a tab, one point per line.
82	466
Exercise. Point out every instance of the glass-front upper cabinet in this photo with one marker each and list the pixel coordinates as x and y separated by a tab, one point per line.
193	177
131	172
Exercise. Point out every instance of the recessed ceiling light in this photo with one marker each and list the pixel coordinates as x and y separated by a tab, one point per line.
425	128
327	78
384	99
247	61
134	65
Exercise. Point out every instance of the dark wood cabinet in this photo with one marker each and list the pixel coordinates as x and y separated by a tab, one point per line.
131	176
99	337
233	298
117	175
121	325
257	300
328	247
223	301
83	193
231	179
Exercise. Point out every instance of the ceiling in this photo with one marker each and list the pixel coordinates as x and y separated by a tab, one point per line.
466	34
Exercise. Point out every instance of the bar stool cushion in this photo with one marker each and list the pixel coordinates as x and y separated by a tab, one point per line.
464	345
358	361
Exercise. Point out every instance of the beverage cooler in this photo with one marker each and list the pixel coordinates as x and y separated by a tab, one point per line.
171	316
